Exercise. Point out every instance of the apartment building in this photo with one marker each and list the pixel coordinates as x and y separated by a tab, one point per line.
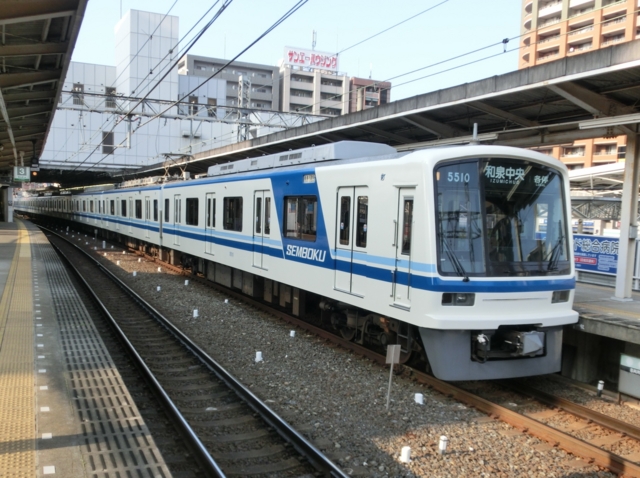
365	93
554	29
263	79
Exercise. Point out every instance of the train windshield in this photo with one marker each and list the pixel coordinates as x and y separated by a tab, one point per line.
501	217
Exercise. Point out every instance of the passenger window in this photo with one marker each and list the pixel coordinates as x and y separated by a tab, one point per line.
113	207
167	215
361	226
258	215
232	219
177	211
208	219
138	208
345	220
407	222
267	216
155	210
123	207
191	217
300	218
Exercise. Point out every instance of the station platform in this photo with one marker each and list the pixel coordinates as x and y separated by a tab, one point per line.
64	409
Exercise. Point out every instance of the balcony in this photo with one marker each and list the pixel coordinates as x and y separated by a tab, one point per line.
550	9
580	48
527	24
615	25
551	21
548	55
581	3
580	31
581	11
528	7
606	41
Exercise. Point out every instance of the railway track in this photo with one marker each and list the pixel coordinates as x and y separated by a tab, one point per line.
606	431
227	428
580	421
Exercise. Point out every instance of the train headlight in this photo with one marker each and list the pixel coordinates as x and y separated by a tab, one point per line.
560	296
457	298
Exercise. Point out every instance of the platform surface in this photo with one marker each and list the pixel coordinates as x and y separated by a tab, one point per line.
64	409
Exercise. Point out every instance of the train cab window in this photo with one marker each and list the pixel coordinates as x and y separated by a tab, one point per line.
138	205
345	220
155	210
113	207
123	208
232	214
361	225
407	222
191	217
300	217
167	215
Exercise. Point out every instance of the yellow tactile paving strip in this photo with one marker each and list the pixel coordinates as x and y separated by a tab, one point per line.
17	413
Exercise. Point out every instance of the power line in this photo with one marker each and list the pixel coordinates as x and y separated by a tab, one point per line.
392	27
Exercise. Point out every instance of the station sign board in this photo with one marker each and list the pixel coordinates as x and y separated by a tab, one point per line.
596	253
21	173
629	379
310	59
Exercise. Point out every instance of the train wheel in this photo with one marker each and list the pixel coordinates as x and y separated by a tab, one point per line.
348	333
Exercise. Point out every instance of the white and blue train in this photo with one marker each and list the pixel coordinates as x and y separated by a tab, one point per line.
462	255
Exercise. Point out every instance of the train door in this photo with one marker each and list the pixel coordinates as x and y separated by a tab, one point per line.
177	211
147	215
351	239
210	222
401	285
261	227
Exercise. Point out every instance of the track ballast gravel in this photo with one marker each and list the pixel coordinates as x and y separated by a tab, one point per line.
338	399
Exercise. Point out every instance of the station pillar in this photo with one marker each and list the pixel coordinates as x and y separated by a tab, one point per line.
628	220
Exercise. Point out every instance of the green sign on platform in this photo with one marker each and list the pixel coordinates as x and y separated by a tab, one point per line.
21	173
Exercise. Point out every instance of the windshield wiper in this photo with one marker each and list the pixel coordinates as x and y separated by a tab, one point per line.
556	251
454	259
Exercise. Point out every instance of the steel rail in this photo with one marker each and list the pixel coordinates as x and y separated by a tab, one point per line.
203	457
299	442
557	438
576	409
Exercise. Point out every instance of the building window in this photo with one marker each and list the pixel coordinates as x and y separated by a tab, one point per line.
193	105
212	104
138	208
232	214
78	94
107	142
111	97
191	217
300	217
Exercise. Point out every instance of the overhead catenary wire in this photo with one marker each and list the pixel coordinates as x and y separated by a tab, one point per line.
284	17
193	41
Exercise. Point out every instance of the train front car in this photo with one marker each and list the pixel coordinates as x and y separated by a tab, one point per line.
505	276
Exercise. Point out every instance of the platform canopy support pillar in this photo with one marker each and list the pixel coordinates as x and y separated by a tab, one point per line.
628	220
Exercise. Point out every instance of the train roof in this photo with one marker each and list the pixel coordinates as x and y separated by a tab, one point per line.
326	152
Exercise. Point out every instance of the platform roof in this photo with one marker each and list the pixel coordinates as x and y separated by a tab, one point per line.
546	104
37	38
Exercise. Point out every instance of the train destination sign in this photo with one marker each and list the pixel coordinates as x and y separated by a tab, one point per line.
596	253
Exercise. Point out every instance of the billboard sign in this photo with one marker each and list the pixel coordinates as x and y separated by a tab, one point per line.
596	253
310	59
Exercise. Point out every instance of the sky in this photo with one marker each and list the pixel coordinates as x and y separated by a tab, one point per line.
450	28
